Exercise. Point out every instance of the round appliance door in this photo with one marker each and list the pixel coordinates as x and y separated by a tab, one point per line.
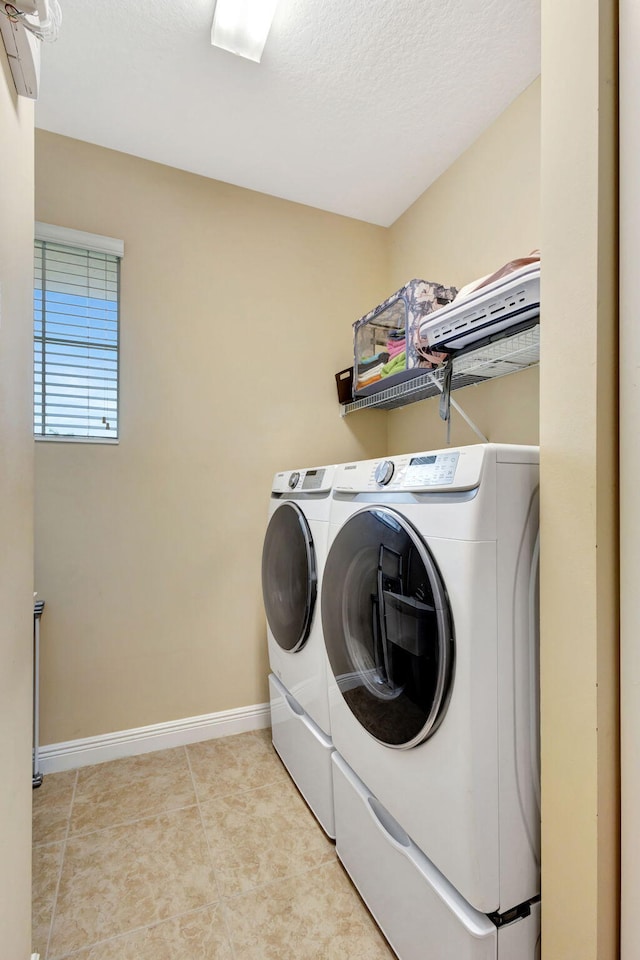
387	627
289	577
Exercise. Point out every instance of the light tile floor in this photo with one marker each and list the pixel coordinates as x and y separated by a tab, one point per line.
205	852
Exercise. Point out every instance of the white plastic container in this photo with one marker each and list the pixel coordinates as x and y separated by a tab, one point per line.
505	303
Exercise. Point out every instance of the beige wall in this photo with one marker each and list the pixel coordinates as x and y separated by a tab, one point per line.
578	435
505	411
16	514
236	314
483	211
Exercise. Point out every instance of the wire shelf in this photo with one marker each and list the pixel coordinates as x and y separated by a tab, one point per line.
509	354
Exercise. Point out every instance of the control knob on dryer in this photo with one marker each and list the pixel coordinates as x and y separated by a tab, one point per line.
384	472
293	480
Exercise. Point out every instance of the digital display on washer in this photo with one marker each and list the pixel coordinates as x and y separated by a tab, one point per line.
313	480
434	470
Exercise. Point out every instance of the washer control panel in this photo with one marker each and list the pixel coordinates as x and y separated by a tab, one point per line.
432	470
418	472
314	480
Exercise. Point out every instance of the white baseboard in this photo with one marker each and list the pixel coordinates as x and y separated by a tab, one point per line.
55	757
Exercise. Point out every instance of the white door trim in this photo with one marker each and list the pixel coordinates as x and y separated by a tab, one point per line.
629	466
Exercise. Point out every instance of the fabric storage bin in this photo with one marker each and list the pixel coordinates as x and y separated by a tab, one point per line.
386	342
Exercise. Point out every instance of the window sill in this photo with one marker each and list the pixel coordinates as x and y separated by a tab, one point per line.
55	439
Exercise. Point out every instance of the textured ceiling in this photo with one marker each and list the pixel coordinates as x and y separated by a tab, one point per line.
357	106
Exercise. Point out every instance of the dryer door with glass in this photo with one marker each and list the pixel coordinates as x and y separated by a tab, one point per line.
289	577
388	627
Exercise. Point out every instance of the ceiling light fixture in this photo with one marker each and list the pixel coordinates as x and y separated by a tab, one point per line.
242	26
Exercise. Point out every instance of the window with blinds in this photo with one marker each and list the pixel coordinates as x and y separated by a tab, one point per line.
76	330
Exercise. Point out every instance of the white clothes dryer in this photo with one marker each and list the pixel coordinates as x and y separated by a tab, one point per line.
293	557
429	616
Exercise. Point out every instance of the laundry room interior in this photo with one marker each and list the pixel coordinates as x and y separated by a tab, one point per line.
236	313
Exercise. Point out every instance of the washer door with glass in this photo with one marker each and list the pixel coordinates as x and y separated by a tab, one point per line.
387	627
289	577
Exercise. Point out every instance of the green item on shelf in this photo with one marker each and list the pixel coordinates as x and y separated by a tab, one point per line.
397	365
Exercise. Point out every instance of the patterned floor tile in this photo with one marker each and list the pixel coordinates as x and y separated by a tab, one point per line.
195	936
125	877
263	835
131	788
231	764
52	806
318	916
46	863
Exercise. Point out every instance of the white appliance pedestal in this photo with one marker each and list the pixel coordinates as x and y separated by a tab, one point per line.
418	910
305	751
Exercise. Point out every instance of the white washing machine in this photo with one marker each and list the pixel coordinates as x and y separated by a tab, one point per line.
293	557
429	608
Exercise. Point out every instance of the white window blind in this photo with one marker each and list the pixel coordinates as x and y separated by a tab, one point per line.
76	339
